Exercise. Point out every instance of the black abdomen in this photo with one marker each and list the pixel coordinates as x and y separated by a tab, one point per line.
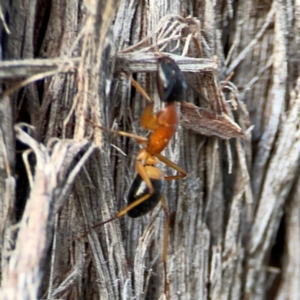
138	189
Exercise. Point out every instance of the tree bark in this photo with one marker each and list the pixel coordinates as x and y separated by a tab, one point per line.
234	230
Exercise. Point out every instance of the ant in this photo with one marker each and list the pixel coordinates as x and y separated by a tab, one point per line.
148	185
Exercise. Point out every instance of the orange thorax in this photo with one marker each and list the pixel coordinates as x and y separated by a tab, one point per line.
167	120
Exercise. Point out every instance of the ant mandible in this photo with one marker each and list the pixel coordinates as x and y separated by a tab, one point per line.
148	185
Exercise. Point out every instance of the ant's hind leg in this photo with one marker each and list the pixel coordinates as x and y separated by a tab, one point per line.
165	243
118	215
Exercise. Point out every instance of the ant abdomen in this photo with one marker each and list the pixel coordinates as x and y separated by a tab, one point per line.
139	189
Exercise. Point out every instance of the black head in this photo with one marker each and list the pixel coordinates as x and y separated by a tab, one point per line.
170	81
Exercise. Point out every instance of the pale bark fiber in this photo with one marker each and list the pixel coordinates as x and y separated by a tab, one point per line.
61	63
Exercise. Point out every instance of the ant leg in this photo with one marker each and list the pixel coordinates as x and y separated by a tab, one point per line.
140	168
165	242
139	139
148	122
182	174
142	172
117	215
131	206
148	119
139	88
172	165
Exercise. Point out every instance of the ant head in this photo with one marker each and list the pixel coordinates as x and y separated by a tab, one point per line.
170	81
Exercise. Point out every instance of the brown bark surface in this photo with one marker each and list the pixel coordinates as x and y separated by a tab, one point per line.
235	218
